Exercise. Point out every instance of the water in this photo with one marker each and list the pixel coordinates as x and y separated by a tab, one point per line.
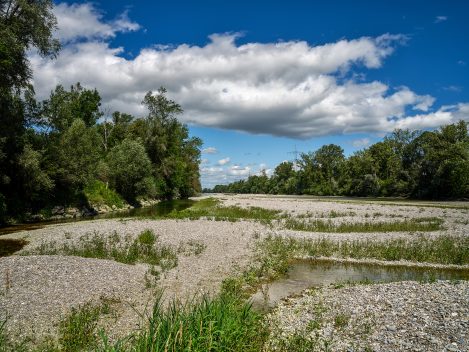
159	209
315	273
10	246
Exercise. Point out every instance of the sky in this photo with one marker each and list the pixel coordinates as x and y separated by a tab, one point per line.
262	81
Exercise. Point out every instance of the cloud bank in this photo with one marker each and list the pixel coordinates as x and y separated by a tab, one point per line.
290	89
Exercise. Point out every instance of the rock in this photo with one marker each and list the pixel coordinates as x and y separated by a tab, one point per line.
57	210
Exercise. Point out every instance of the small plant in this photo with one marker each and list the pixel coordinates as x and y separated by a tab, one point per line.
221	323
419	224
341	320
77	331
144	249
147	238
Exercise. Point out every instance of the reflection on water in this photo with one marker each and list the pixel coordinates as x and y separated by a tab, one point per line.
315	273
159	209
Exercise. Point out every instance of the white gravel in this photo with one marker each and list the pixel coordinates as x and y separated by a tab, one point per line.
37	291
403	316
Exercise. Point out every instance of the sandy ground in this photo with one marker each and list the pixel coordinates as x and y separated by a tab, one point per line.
37	291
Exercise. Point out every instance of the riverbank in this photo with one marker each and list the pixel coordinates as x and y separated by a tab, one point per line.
40	290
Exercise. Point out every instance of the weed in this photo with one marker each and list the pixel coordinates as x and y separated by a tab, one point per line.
222	323
192	247
147	238
341	320
444	249
419	224
144	249
210	208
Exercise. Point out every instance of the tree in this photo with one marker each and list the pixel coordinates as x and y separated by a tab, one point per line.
130	170
174	155
63	107
24	24
76	157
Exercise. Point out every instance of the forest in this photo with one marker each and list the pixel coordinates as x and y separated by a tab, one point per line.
415	164
64	150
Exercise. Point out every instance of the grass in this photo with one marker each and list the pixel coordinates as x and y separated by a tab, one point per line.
211	208
144	249
221	323
77	332
419	224
97	193
445	249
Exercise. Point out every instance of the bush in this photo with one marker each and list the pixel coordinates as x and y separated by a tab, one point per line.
97	193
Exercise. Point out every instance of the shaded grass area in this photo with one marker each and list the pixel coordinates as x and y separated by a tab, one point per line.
146	248
211	208
318	225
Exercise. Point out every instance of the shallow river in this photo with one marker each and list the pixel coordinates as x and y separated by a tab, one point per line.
315	273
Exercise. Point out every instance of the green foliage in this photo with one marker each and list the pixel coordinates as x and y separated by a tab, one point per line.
222	323
445	249
77	332
210	208
64	107
76	156
24	25
144	249
405	164
97	193
423	224
129	167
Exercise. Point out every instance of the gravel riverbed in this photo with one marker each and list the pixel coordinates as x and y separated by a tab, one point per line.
402	316
36	292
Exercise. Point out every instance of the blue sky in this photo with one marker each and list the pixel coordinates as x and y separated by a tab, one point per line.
260	79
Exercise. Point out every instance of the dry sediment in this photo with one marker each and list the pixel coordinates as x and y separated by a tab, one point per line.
402	316
40	290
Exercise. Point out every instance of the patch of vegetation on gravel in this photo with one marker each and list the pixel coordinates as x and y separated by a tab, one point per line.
445	249
317	225
211	208
146	248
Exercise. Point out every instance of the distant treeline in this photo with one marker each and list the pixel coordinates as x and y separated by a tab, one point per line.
430	164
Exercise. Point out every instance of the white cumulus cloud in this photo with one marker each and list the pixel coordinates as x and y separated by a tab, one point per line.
209	150
290	88
84	21
224	161
360	143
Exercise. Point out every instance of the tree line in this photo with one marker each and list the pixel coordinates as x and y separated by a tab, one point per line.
416	164
52	151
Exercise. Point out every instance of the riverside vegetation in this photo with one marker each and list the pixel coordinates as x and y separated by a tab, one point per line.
226	321
68	151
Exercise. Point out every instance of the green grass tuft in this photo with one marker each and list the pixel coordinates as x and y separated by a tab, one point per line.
222	323
144	249
445	249
422	224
